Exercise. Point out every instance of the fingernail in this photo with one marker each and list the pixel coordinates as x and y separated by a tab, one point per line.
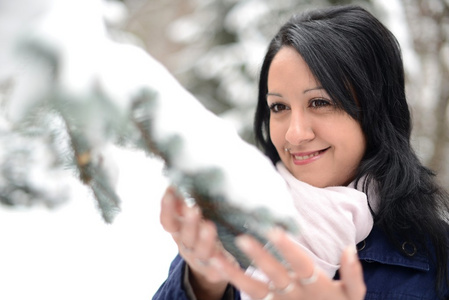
243	242
275	234
169	198
351	253
192	212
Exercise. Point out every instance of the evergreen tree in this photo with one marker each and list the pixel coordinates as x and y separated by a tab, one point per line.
100	93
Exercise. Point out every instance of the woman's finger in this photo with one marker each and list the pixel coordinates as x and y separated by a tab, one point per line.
236	276
206	245
281	280
310	282
190	227
298	260
170	211
352	275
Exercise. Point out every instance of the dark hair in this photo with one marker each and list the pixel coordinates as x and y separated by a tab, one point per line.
358	62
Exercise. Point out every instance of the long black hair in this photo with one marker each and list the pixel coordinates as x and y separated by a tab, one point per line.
358	62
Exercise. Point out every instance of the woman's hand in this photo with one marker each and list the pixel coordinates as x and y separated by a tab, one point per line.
301	280
212	268
197	243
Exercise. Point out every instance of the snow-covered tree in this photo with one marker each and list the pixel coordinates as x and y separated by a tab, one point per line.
71	84
429	27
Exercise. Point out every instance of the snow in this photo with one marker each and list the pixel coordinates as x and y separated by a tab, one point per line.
71	253
210	143
395	19
245	13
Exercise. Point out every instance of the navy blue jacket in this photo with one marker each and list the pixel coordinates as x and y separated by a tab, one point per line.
388	273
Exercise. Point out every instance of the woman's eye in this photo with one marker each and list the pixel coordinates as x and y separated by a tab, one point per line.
316	103
277	107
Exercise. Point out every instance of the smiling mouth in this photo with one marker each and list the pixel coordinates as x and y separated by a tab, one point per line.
308	156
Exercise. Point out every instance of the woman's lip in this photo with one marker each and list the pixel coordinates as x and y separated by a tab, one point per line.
302	158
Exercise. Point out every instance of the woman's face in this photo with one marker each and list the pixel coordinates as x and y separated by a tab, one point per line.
325	144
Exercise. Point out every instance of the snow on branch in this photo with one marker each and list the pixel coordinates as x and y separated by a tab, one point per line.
105	93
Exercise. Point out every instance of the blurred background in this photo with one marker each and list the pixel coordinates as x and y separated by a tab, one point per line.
215	49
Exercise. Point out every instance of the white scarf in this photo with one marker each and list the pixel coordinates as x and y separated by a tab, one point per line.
330	219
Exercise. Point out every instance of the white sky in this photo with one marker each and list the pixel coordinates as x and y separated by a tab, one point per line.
70	253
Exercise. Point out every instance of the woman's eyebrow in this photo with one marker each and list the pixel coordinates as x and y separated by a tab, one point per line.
274	94
313	89
304	92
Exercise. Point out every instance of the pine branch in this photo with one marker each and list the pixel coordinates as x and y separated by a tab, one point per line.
87	157
114	93
230	219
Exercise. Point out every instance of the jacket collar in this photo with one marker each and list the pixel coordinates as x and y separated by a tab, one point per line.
377	248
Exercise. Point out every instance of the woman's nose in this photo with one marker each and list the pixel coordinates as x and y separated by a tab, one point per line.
300	130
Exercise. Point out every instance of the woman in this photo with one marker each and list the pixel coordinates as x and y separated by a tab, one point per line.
331	91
